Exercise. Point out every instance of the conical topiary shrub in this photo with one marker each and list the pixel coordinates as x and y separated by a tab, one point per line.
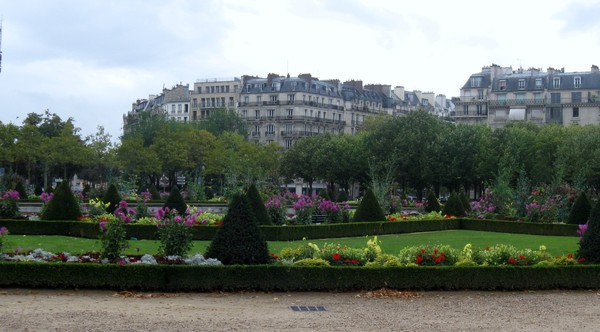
433	204
454	206
112	197
176	201
323	193
342	197
580	211
369	209
589	246
20	188
63	205
465	201
239	240
38	190
155	194
258	206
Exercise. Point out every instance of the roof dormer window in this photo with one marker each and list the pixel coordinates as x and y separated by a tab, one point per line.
521	84
577	81
502	85
556	82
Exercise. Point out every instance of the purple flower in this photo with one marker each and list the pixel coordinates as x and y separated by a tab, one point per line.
178	219
11	194
102	225
582	229
3	230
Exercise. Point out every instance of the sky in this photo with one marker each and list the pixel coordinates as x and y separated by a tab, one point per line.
90	60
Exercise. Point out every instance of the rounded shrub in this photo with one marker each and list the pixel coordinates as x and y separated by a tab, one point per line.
454	206
258	206
465	201
589	246
112	197
63	205
580	212
176	201
369	209
323	193
433	204
239	239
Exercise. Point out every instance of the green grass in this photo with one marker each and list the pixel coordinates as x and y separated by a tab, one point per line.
392	244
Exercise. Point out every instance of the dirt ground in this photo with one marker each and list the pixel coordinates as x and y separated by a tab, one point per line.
384	310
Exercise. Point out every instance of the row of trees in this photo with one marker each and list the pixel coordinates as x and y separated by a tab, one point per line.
415	152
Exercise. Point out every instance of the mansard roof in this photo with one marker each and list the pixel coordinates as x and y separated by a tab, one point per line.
290	84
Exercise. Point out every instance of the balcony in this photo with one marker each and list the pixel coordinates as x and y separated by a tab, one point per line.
472	114
256	134
516	102
290	103
296	133
296	118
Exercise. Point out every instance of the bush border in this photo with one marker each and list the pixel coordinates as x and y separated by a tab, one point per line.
286	278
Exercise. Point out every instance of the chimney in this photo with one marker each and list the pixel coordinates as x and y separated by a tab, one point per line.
399	91
594	69
307	77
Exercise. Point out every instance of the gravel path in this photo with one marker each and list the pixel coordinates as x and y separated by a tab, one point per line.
102	310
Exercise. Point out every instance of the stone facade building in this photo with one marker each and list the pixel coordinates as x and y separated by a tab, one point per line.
498	95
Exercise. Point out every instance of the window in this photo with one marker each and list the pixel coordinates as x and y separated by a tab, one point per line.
480	110
257	114
270	129
465	109
538	83
521	84
576	97
502	85
212	89
520	97
195	102
227	88
501	99
231	102
207	89
577	82
290	99
555	98
290	112
575	112
480	94
476	81
199	89
258	99
270	113
274	99
556	82
244	114
246	100
288	144
537	97
203	102
173	109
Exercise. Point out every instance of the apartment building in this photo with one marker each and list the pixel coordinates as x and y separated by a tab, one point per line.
283	109
498	95
176	102
210	95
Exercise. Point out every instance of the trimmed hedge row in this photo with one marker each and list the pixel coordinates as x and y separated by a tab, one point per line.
284	278
297	232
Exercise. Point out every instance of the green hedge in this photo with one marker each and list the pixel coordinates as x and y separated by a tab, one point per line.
297	232
283	278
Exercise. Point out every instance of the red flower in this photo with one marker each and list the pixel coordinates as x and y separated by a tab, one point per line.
438	260
581	260
419	260
443	258
522	257
354	261
435	250
432	255
487	248
570	256
423	250
336	256
346	261
511	260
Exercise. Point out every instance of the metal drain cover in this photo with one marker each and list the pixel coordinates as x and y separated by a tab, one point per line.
307	308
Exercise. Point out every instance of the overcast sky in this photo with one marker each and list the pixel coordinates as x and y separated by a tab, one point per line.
90	60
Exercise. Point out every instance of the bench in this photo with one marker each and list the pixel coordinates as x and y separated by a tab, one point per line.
318	218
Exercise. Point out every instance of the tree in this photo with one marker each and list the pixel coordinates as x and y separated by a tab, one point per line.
369	209
433	204
454	206
299	161
239	240
224	120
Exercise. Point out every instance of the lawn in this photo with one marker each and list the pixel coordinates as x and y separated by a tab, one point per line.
557	245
